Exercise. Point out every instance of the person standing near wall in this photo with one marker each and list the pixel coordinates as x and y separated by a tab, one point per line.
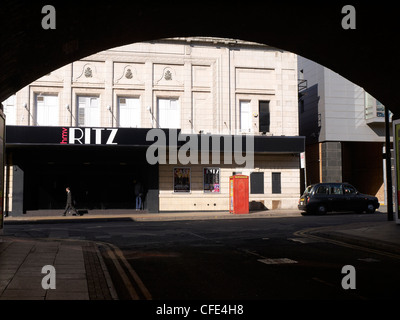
138	189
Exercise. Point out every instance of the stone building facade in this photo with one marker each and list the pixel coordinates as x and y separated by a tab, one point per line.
198	86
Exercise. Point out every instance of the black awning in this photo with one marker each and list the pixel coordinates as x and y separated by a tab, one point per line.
144	137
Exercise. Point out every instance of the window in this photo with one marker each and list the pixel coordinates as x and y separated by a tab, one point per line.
88	112
263	116
181	179
323	190
245	116
129	112
10	110
276	182
47	110
373	108
211	179
336	189
257	183
169	115
349	189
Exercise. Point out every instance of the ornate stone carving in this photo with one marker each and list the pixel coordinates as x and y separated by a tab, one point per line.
168	75
128	74
88	72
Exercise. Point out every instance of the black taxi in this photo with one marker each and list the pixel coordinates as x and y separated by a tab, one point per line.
321	198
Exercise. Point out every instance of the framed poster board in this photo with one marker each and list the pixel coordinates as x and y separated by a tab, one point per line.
211	180
181	180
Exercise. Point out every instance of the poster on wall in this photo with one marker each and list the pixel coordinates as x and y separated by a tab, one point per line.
181	179
211	180
396	145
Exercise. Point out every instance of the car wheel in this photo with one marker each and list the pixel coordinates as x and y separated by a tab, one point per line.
321	209
370	208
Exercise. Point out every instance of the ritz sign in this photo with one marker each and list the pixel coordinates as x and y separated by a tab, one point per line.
187	148
88	136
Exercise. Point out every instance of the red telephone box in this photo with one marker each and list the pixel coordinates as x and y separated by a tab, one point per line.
239	194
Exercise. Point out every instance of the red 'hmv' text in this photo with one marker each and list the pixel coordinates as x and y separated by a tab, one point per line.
64	136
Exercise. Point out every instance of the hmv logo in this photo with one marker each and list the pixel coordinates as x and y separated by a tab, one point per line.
88	136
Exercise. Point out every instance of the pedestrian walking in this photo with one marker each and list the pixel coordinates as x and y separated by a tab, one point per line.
69	206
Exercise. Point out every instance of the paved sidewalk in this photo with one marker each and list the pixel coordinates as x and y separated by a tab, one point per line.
80	273
381	236
48	216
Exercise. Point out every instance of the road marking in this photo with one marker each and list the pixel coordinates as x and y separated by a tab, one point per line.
337	288
198	236
132	272
270	260
325	282
277	261
304	240
253	253
368	260
131	290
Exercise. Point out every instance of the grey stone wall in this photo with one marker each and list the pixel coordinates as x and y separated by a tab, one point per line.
331	158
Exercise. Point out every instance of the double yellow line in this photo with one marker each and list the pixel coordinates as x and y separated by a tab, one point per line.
136	288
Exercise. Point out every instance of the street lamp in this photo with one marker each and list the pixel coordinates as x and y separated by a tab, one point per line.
112	114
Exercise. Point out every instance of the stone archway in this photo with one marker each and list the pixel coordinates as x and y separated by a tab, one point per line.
365	56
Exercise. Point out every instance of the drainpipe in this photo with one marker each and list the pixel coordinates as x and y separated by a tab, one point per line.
229	89
388	156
